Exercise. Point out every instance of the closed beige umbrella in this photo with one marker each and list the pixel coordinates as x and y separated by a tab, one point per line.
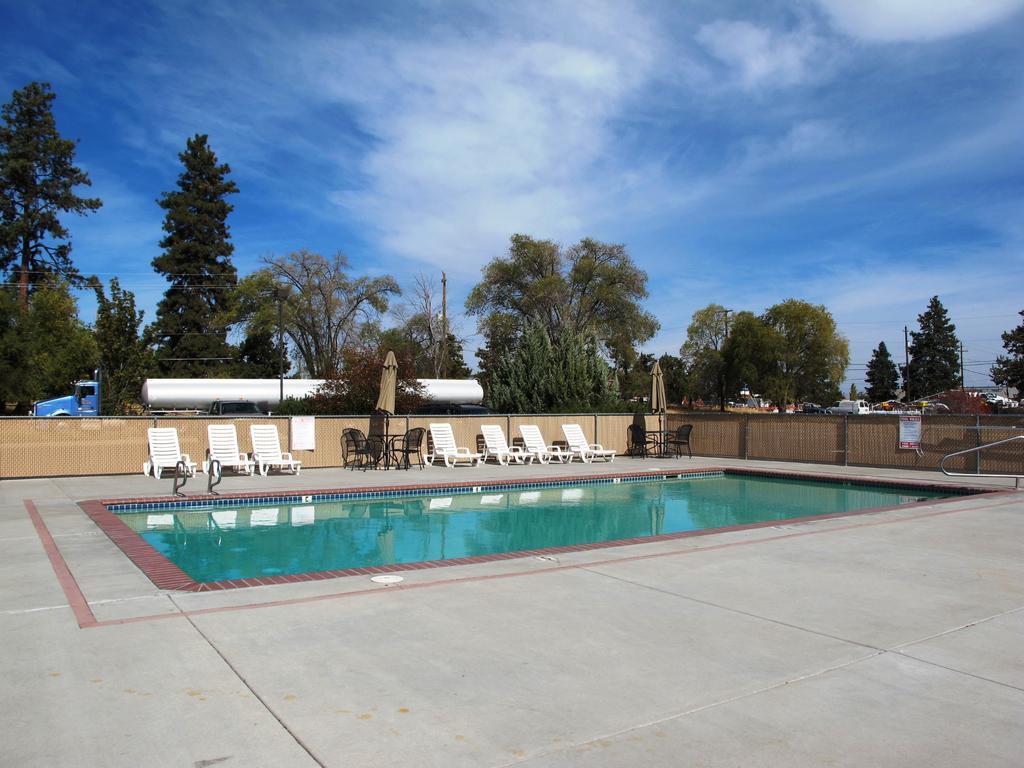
658	400
388	383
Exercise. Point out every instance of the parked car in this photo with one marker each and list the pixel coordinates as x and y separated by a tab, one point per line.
812	408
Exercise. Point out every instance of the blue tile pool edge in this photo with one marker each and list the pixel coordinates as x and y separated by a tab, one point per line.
311	497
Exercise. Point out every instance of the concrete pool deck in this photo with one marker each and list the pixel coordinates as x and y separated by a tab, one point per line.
893	638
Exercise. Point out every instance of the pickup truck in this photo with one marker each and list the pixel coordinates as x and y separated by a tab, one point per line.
234	408
850	407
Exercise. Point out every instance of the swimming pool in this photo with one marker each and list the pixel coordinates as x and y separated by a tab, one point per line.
234	542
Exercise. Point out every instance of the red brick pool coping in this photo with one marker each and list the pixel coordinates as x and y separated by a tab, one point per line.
166	575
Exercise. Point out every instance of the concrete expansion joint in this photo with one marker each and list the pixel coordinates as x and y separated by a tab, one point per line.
241	678
738	611
692	710
955	670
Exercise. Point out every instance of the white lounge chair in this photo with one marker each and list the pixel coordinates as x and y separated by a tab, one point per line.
445	447
224	448
498	447
535	445
578	445
165	453
266	450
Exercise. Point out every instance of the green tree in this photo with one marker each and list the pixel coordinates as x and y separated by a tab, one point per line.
634	376
675	378
814	355
702	353
882	376
538	376
934	354
37	184
591	288
13	351
57	350
125	358
196	259
750	356
1009	369
259	356
325	311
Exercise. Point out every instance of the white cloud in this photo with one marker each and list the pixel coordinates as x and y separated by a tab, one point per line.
477	136
916	20
761	57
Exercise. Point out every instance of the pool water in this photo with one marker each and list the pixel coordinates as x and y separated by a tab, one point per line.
222	543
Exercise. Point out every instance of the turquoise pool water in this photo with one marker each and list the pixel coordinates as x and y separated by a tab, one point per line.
221	543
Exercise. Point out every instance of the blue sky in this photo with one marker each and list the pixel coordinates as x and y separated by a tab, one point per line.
865	155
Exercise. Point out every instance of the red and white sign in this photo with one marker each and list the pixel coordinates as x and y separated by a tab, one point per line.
910	433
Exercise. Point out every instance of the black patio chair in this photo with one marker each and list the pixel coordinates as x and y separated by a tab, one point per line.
640	442
676	440
409	444
359	450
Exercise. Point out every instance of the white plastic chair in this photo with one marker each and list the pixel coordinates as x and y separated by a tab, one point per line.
165	453
498	447
223	441
445	447
578	445
535	445
266	450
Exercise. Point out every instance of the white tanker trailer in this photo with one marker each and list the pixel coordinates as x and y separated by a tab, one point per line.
197	395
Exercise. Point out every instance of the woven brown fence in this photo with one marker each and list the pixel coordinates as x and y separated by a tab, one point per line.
870	441
50	447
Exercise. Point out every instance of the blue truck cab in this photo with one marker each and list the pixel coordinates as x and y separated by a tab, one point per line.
85	402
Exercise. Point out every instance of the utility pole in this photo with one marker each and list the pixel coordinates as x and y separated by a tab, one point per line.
961	366
906	364
444	326
281	293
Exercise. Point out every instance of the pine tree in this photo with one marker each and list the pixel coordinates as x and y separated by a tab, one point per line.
1009	369
125	359
37	182
934	355
537	376
259	356
882	377
197	261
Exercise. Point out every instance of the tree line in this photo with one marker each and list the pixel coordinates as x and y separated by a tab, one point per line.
563	327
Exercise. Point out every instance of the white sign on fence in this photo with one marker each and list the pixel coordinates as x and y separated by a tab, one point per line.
910	433
303	433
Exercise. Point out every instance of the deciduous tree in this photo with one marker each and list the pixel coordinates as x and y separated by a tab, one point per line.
702	353
356	386
750	356
325	312
591	288
813	355
38	177
196	259
436	351
48	345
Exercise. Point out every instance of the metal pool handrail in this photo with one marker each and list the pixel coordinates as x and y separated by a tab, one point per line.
978	449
